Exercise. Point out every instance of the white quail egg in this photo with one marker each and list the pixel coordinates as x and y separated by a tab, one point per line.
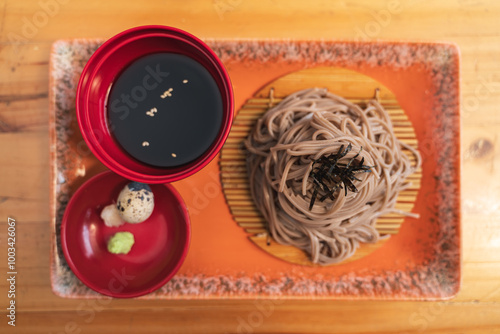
135	202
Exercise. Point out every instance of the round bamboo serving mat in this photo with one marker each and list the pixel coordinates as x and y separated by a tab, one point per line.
351	85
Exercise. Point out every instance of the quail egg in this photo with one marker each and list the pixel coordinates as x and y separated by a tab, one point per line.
135	202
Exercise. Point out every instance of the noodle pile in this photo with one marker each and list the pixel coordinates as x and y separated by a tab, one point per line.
282	149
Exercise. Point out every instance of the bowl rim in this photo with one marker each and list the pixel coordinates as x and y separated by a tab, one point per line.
83	114
74	268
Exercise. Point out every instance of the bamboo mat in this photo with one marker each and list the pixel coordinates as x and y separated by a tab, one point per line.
233	155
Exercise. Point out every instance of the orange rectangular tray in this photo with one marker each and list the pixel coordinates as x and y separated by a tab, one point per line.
421	262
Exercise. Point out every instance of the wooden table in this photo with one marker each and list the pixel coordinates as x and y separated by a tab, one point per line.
27	31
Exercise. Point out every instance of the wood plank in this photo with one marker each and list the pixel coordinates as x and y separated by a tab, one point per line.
472	25
26	155
32	239
272	316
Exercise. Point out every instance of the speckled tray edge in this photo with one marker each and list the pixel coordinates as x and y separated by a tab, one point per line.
439	279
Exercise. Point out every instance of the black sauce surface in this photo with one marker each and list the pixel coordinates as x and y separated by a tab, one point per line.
165	109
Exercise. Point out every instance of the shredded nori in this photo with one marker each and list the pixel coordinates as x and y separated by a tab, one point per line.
328	175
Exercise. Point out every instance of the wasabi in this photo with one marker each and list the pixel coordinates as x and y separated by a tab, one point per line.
121	243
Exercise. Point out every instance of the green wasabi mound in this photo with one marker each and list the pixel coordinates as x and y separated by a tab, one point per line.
121	243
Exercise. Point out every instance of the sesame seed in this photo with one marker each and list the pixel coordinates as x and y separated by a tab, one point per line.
145	143
174	155
167	93
184	81
151	112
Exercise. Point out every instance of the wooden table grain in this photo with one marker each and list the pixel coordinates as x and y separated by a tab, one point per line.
27	30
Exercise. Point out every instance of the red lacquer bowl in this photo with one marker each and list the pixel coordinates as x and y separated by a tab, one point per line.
161	242
105	66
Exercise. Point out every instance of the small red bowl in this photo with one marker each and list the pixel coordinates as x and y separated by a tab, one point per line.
161	242
103	68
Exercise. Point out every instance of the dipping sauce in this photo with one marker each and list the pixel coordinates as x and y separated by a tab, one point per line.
165	109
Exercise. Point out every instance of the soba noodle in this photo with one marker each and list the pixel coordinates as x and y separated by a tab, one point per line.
282	149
